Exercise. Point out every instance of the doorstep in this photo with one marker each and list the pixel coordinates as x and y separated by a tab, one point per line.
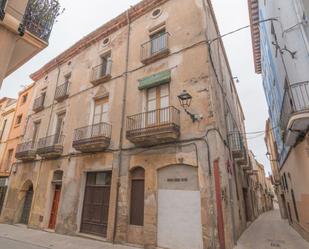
93	237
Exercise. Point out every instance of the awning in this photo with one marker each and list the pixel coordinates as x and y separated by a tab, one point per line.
155	80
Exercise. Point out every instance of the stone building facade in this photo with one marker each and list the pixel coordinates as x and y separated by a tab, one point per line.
137	135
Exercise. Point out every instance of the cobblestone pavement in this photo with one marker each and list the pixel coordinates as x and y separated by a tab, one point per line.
19	237
271	232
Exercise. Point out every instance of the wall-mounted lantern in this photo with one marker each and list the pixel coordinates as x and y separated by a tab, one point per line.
185	101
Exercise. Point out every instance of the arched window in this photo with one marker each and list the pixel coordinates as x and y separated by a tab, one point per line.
137	197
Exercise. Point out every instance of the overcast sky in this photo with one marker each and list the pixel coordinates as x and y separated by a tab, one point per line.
79	19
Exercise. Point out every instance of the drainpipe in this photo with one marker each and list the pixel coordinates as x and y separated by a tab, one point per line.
123	112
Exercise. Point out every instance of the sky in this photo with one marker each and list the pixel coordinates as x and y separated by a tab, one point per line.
79	19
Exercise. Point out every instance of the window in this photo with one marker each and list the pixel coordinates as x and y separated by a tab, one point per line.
19	119
101	109
286	182
9	159
158	98
99	179
158	41
59	127
36	127
137	197
3	128
24	99
105	64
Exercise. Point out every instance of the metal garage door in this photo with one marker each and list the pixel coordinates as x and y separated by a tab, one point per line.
96	203
179	208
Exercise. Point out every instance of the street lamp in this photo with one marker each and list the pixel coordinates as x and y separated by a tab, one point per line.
236	79
185	99
268	155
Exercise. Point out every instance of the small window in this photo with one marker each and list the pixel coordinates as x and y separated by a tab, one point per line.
99	179
19	119
24	98
106	41
137	197
9	159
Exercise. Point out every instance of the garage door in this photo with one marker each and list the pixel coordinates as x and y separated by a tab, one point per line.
179	208
96	203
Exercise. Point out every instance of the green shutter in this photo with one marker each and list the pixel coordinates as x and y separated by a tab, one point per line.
155	80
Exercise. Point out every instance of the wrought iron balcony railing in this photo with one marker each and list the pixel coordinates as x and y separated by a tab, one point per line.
101	73
156	48
295	100
236	144
2	9
62	92
154	126
38	104
39	18
92	138
26	151
51	146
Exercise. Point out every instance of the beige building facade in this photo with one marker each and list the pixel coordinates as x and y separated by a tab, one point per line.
136	135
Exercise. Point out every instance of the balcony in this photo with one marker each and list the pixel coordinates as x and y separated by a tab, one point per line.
62	92
93	138
26	151
33	21
38	104
236	145
155	49
154	127
294	118
50	147
101	73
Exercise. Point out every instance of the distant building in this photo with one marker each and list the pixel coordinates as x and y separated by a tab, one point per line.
25	27
7	112
281	53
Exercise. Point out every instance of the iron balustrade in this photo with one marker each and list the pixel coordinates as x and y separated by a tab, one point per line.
39	17
295	100
50	141
62	91
92	131
24	147
39	103
152	120
155	46
101	71
235	142
2	9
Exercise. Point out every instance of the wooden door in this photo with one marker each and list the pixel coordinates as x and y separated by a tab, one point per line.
220	221
2	196
27	206
96	203
54	210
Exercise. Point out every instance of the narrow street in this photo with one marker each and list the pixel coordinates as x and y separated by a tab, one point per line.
269	231
17	237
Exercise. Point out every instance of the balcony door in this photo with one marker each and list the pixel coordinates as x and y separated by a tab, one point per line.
59	128
158	42
36	127
157	105
100	116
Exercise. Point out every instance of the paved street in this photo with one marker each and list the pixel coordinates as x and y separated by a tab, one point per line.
270	232
16	237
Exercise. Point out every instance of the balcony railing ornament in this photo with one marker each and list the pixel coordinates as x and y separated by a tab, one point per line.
2	7
40	16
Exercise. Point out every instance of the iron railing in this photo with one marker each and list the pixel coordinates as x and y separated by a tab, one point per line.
62	91
101	71
39	17
50	141
25	147
155	46
39	103
235	142
92	131
2	9
152	120
295	100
